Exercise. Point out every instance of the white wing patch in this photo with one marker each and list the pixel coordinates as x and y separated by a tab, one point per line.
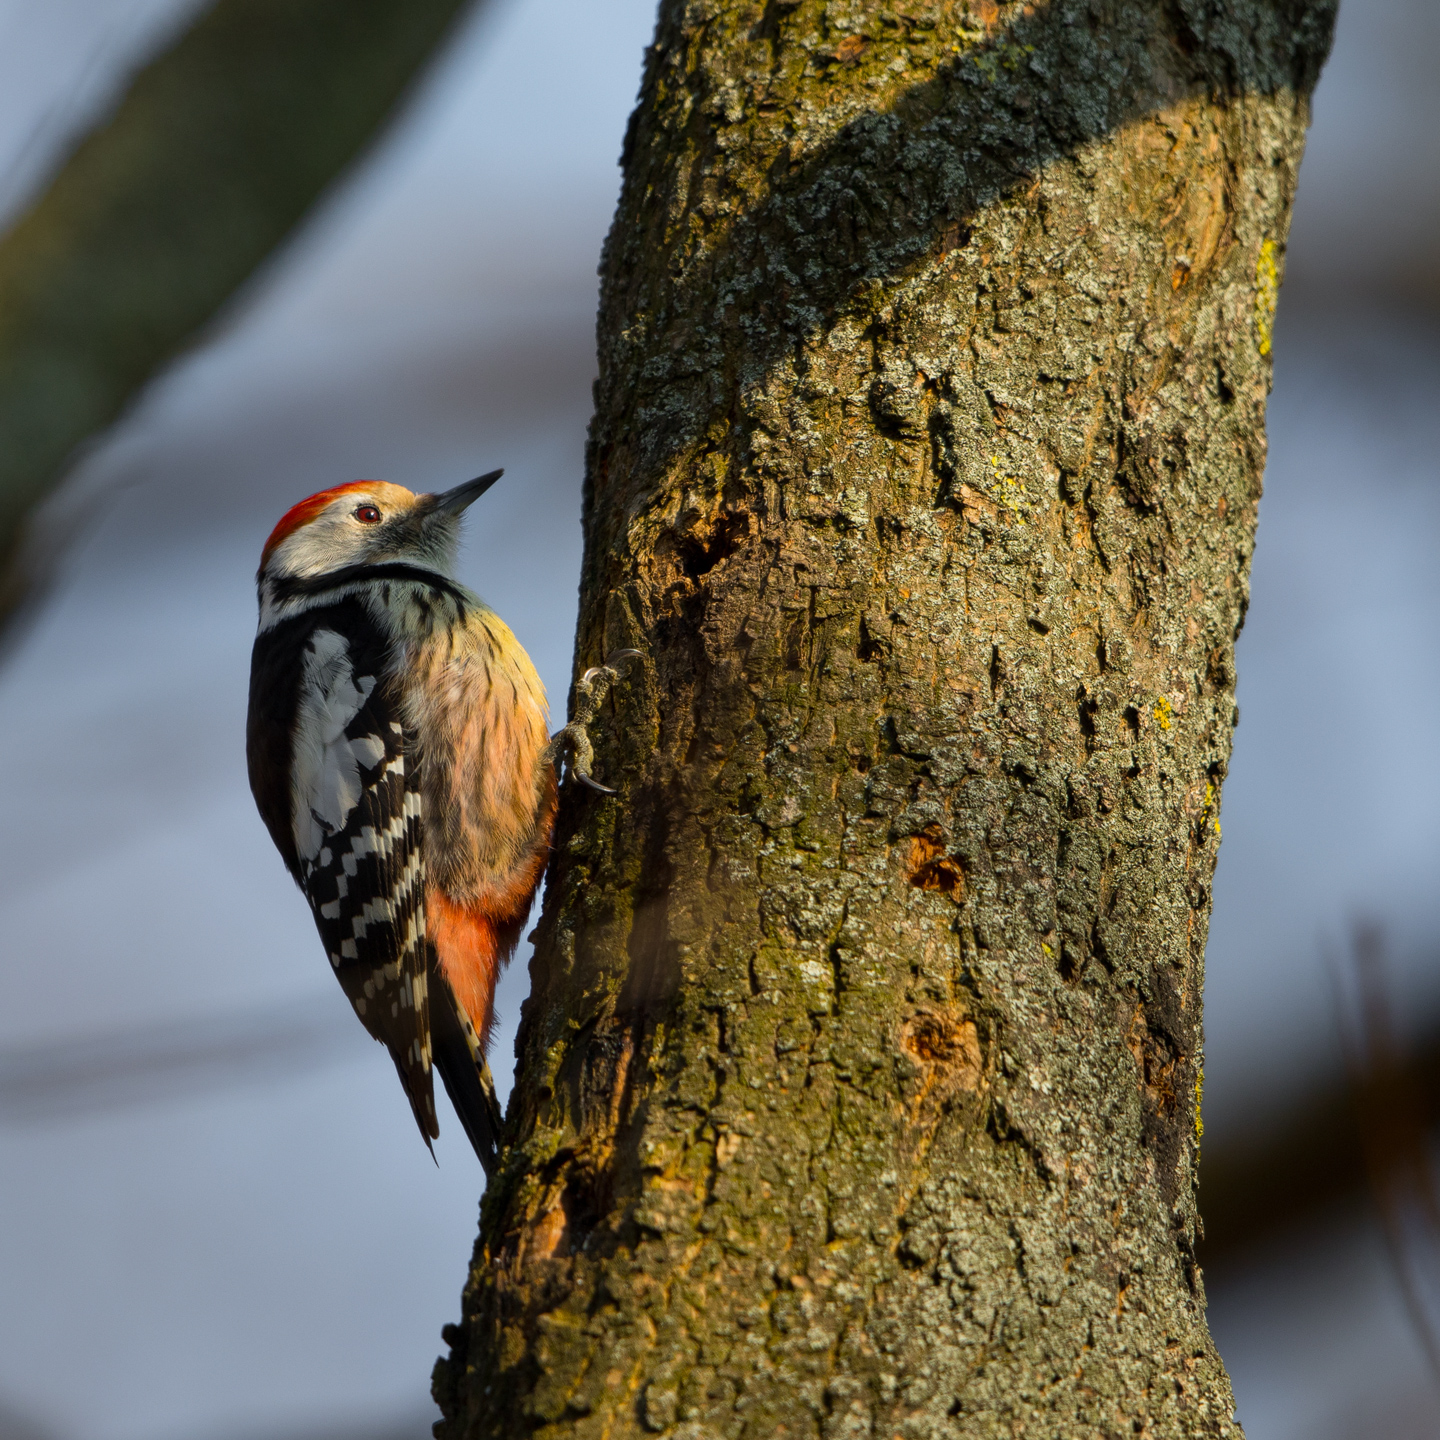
325	774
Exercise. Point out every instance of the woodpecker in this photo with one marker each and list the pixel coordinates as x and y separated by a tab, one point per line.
399	755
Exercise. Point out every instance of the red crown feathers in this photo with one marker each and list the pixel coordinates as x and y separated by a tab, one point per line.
305	512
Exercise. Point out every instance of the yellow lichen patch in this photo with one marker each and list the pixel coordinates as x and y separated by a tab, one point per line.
970	36
1164	712
1267	292
1199	1091
1207	811
1009	490
1011	56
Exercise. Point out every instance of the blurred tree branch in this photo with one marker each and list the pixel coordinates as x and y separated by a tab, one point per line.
218	150
1360	1134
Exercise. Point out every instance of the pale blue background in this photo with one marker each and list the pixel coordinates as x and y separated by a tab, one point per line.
261	1247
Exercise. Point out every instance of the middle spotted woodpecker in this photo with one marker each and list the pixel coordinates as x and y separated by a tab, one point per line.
398	752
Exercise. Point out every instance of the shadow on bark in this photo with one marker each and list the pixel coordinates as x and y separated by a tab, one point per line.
797	257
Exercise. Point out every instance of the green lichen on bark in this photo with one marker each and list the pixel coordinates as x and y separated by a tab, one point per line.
859	1082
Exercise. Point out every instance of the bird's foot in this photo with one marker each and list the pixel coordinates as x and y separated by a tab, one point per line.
573	741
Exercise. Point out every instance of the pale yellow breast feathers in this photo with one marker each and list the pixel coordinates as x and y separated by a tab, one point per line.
478	710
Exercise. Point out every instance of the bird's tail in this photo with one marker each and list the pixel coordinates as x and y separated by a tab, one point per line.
460	1059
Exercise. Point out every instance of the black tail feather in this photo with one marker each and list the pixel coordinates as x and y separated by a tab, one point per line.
463	1068
422	1103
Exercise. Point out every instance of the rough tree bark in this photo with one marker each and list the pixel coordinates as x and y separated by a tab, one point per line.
859	1085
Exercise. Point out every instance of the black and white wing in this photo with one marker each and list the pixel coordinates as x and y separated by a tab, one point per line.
337	787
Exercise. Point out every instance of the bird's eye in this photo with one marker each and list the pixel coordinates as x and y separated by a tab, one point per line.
367	514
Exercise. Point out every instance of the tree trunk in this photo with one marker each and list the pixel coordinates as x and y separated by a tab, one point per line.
859	1086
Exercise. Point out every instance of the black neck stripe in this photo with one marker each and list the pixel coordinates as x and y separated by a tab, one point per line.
291	588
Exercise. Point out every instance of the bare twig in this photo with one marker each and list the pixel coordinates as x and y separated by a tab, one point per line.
1393	1128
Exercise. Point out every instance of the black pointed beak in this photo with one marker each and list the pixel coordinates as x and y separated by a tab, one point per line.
452	502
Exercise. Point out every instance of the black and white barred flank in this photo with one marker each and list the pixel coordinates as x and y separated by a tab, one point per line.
338	785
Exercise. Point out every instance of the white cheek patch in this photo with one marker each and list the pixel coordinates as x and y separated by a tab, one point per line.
325	775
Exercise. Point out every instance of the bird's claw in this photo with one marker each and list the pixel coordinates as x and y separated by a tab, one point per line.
611	661
574	740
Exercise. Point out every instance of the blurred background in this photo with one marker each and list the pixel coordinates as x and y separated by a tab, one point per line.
202	1155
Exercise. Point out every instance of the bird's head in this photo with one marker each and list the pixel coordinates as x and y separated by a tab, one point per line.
368	522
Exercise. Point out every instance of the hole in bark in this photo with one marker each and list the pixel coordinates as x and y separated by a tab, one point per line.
795	643
871	648
699	554
933	1038
930	868
1223	387
1087	709
955	236
585	1203
948	1046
